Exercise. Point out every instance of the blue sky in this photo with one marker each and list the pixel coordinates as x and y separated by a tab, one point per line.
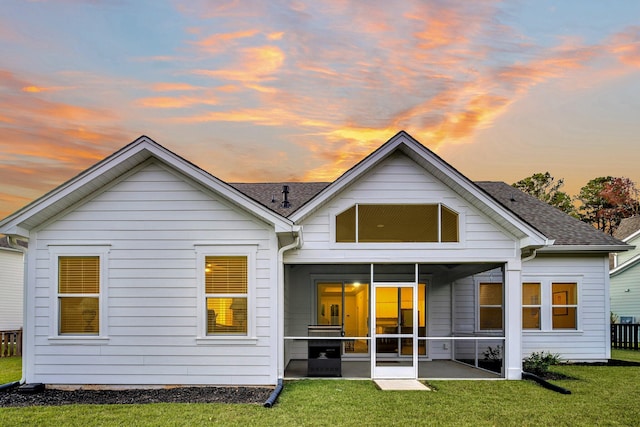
302	90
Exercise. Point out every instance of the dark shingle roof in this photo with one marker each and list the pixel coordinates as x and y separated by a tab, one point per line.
270	194
550	221
627	227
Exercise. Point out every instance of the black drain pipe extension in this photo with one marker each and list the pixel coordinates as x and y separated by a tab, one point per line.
8	386
543	383
274	395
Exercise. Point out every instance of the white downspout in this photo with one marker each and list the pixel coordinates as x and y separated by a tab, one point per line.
13	243
297	243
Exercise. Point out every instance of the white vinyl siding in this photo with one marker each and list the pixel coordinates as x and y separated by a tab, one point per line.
152	219
591	340
11	278
625	292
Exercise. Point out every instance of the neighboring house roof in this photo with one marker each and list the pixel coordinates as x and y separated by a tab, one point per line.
122	161
5	245
564	229
628	228
625	266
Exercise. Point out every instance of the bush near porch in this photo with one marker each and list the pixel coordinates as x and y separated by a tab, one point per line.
600	396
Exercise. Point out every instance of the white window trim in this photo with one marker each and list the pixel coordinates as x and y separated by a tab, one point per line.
546	320
79	249
251	252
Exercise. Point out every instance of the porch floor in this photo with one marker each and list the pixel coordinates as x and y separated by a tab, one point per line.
435	369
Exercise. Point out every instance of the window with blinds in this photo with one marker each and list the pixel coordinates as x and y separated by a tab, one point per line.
226	294
79	295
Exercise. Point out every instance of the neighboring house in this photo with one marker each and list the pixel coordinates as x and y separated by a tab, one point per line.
625	273
145	269
11	284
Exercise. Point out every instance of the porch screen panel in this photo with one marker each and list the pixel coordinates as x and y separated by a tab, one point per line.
564	308
490	298
226	288
79	295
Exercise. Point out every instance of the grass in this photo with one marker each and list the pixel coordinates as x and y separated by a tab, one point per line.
10	369
630	355
601	395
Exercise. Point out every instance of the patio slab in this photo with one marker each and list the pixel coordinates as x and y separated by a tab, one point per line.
401	385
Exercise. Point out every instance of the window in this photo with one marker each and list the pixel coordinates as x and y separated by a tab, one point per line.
490	306
226	295
550	304
531	305
397	223
79	295
564	305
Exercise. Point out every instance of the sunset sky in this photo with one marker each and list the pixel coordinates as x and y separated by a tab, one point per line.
263	91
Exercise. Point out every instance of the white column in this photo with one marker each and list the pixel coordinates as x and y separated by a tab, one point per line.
513	320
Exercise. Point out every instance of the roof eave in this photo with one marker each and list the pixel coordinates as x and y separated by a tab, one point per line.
570	249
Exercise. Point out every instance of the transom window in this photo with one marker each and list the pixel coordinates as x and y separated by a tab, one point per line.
79	295
397	223
226	292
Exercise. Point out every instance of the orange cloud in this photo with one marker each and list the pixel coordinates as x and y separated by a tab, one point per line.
626	46
175	102
219	42
173	87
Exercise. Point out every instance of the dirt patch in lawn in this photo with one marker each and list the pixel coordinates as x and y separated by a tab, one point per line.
54	397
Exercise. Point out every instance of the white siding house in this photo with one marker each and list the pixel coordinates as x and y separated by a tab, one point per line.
145	270
11	282
625	273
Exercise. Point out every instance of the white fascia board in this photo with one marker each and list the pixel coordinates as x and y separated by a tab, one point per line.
585	248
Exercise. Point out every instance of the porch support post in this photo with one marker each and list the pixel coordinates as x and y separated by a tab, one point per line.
513	320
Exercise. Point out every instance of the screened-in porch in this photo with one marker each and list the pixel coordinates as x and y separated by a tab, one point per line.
394	320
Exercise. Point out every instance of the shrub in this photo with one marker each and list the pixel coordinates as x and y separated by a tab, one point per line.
493	354
538	363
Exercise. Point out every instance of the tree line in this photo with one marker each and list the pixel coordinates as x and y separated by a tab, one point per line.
603	202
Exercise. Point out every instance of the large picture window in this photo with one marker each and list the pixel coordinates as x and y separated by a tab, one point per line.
226	295
79	295
381	223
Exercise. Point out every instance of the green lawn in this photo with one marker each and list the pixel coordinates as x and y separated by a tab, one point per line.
10	369
601	395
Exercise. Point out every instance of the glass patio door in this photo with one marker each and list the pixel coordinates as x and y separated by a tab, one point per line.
346	304
395	331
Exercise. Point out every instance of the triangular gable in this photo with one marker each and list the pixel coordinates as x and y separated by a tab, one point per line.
529	237
123	160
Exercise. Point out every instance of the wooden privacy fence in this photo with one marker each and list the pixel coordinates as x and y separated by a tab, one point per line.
10	343
625	336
